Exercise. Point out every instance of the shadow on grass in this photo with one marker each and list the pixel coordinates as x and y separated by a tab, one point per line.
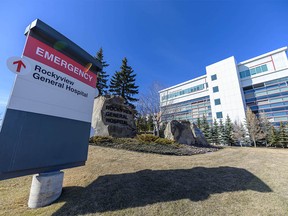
121	191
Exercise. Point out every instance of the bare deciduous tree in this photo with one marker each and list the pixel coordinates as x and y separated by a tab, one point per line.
239	132
253	126
265	125
149	105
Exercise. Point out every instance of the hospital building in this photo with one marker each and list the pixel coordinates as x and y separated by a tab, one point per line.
228	87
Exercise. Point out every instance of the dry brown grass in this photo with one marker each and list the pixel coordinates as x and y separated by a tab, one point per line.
232	181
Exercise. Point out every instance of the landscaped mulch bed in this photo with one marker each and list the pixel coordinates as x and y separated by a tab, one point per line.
165	149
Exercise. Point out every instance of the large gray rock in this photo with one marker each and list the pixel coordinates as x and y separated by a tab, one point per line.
185	133
199	136
180	132
111	117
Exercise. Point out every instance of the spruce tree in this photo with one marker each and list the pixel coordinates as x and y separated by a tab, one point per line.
123	84
206	128
199	123
221	132
215	133
283	137
102	76
273	137
228	132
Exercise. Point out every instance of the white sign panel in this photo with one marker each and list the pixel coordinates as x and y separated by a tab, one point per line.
57	85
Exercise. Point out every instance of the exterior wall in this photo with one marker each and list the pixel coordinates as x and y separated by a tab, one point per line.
230	93
269	97
276	62
186	101
260	83
267	91
184	91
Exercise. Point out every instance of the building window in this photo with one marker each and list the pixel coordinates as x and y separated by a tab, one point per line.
219	115
215	89
253	71
217	101
214	77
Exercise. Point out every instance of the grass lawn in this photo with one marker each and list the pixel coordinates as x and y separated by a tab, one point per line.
231	181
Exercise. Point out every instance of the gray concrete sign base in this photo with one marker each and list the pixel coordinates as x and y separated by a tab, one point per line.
45	189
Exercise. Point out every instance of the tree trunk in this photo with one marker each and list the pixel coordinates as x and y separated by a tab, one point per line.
254	143
156	131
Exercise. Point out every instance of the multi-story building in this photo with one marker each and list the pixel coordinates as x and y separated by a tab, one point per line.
229	87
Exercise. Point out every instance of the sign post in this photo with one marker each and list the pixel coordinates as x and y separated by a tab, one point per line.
47	122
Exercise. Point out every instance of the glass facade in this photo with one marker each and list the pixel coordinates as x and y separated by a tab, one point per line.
253	71
185	91
189	110
269	97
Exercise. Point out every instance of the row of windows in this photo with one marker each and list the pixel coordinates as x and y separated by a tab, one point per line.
269	105
264	92
192	118
173	110
185	91
266	97
188	110
269	97
216	101
253	71
187	103
267	85
276	114
269	101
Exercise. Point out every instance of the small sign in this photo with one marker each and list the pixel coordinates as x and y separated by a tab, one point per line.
18	65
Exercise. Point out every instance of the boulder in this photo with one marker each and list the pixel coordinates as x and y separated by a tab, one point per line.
180	132
199	136
185	133
111	117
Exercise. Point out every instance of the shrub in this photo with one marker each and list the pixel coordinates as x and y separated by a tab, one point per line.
101	139
147	138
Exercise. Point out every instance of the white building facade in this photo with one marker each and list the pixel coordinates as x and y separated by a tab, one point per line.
228	88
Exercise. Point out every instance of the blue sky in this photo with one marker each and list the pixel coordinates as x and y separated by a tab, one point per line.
164	41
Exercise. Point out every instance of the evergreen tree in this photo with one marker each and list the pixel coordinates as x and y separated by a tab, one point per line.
221	132
253	126
206	129
102	76
283	137
215	133
228	131
123	84
199	123
273	137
